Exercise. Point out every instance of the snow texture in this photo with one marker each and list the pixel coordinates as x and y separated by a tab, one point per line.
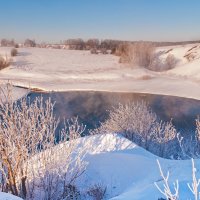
63	70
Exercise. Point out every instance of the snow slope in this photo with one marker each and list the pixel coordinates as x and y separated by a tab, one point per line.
128	171
6	196
62	70
189	61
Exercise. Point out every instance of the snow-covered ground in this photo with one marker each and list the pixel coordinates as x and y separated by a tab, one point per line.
5	196
62	70
128	171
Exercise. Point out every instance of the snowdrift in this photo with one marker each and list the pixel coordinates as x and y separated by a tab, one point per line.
128	171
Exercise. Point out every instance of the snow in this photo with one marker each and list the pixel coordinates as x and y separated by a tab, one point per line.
128	171
16	92
6	196
64	70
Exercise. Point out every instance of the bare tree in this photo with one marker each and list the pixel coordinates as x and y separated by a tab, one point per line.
32	157
75	44
92	44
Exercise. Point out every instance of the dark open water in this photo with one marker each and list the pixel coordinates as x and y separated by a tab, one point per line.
92	107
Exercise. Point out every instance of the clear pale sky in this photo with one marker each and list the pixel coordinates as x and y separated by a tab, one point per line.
55	20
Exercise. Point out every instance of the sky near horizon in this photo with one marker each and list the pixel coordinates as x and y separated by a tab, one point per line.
55	20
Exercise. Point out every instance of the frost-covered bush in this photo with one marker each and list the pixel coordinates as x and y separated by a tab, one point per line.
137	122
190	146
170	61
158	64
35	163
143	54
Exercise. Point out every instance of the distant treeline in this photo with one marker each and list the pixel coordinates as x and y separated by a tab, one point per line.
90	44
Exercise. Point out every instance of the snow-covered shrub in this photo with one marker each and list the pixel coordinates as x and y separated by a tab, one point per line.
137	122
190	146
159	64
35	163
4	62
170	61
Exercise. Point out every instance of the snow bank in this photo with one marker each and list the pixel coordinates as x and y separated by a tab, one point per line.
6	196
128	171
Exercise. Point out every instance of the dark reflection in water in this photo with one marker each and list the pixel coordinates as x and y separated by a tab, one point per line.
92	107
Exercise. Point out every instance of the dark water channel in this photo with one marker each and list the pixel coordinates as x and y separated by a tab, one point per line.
92	107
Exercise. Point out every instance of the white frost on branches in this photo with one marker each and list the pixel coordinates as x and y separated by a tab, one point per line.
166	191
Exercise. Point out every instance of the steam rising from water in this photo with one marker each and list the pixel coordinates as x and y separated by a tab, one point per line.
92	107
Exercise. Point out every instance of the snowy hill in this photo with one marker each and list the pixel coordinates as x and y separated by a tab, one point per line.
128	171
189	61
62	70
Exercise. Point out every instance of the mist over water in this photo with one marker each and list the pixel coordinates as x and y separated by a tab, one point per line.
92	107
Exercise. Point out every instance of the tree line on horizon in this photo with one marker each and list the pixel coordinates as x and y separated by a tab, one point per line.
81	44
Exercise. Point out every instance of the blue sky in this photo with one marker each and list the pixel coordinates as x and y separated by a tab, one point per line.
55	20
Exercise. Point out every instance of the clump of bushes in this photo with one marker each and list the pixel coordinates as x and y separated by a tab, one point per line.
4	62
138	123
168	63
13	52
143	54
136	54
